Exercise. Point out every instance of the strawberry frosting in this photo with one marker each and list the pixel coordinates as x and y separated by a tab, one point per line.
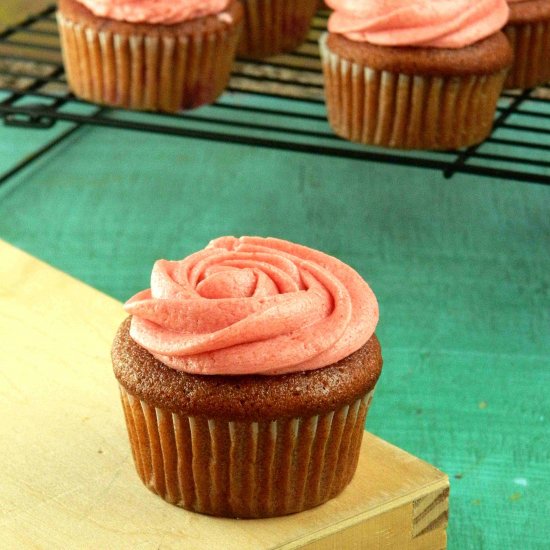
425	23
155	11
253	306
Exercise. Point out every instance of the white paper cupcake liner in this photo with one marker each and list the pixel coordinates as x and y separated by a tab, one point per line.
405	111
156	72
245	469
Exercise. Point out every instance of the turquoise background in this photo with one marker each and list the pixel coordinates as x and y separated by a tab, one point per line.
461	269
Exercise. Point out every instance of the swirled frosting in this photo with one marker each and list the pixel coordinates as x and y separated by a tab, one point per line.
253	306
155	11
425	23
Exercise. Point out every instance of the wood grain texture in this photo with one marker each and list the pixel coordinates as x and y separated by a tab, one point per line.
431	512
69	480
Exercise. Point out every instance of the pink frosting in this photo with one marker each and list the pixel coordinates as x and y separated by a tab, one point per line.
155	11
426	23
253	306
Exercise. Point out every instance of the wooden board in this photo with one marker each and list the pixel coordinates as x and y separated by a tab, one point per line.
68	478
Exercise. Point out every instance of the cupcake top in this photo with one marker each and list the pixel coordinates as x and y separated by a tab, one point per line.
155	11
253	306
423	23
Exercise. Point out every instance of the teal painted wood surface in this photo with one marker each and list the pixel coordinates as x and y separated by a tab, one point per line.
461	269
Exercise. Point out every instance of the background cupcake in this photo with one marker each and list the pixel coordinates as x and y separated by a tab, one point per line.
275	26
162	55
414	73
246	373
529	33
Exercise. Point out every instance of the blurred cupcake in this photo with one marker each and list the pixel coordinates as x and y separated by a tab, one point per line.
275	26
528	30
163	55
246	372
415	74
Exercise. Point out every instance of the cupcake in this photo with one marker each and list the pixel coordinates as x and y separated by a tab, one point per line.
274	26
155	55
415	74
246	372
528	30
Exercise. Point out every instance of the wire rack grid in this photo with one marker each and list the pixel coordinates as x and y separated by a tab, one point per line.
276	103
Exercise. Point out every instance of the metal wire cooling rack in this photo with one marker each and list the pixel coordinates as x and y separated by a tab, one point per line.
276	104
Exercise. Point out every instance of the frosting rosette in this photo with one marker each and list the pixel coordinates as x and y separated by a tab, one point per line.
423	23
155	11
253	305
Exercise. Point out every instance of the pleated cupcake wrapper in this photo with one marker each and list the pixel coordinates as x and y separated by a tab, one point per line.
245	469
275	26
146	71
408	112
531	45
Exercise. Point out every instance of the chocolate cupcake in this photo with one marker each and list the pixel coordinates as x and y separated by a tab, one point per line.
528	30
415	74
246	373
153	55
274	26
